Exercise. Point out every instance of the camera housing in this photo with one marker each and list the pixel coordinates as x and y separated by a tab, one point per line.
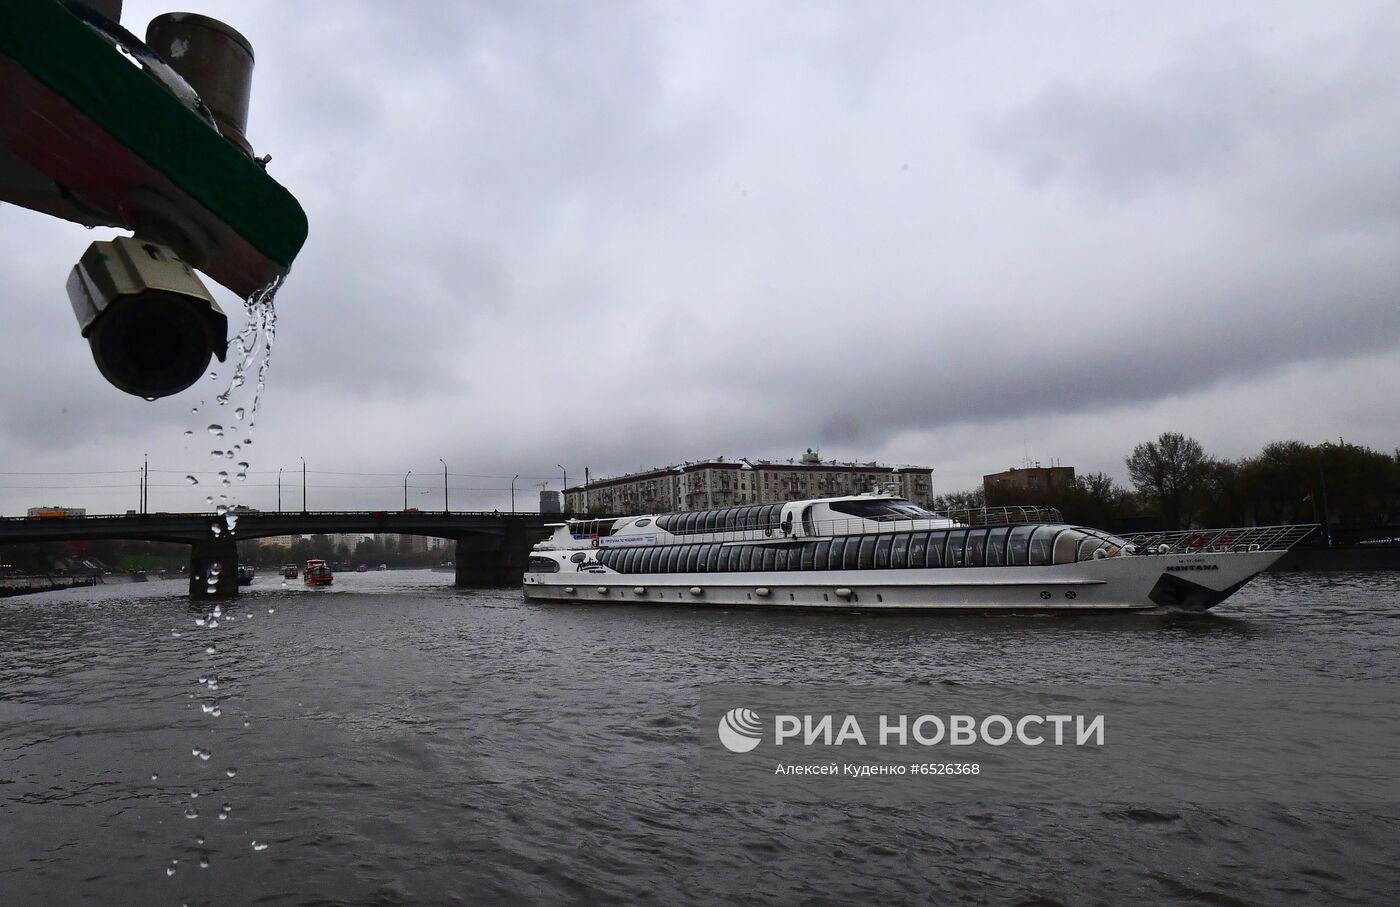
151	323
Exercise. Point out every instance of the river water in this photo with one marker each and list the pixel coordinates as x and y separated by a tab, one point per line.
397	741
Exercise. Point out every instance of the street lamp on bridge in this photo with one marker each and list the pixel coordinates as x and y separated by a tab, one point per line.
279	489
405	488
303	484
565	491
444	484
512	493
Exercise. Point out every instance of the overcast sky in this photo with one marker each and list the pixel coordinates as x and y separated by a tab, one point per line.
623	235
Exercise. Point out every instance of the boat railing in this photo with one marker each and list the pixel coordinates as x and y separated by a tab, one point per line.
1240	538
1004	516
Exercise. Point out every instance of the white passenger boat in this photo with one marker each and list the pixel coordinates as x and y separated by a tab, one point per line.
878	552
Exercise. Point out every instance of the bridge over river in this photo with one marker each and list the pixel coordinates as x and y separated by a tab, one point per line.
491	547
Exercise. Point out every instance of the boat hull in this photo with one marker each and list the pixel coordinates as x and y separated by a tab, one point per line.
1189	582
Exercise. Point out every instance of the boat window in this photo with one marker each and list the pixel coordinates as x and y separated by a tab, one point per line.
702	559
899	553
820	556
780	561
808	526
745	558
882	552
707	521
1066	544
867	552
642	523
726	519
579	557
635	562
751	517
541	565
715	552
851	559
953	555
771	514
884	510
835	560
996	546
722	564
1040	544
917	543
770	557
933	554
666	559
976	547
808	549
1018	545
617	560
686	563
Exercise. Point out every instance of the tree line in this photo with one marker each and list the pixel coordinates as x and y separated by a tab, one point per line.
125	556
1176	484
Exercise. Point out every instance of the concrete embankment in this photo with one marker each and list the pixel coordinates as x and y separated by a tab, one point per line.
1359	558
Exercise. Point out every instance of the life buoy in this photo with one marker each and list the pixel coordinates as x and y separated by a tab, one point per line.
1195	540
595	541
768	531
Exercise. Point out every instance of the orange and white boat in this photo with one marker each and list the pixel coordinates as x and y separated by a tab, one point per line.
317	573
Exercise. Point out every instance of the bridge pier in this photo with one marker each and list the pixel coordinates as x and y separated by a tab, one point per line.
487	561
221	550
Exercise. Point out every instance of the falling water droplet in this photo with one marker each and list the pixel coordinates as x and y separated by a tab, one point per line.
209	499
231	772
238	414
189	432
232	520
199	622
210	650
217	530
175	633
202	678
221	509
217	712
154	777
271	610
216	429
217	453
194	795
259	846
199	839
203	862
191	480
191	813
169	871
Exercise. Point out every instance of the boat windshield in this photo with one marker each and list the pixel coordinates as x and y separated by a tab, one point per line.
883	510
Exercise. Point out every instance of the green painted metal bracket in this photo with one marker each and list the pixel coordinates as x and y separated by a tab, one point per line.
78	111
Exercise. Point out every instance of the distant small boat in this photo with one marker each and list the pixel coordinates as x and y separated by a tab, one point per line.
383	566
246	572
289	571
363	568
317	573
